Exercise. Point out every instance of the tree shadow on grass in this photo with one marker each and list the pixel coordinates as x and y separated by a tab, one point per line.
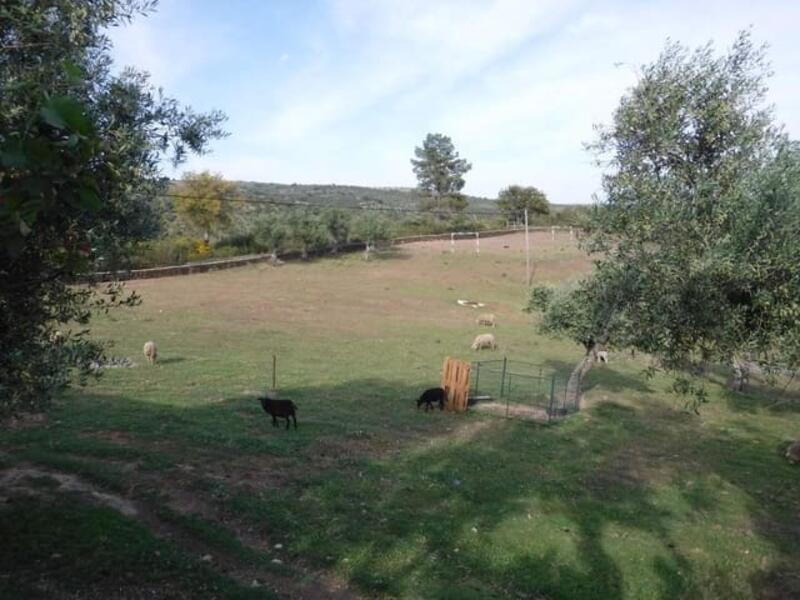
603	376
391	253
759	398
170	360
457	506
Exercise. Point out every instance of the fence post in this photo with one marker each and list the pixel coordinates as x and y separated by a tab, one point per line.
452	243
552	396
527	252
503	377
477	242
477	379
539	382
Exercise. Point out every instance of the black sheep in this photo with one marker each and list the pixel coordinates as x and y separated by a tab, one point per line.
431	396
285	409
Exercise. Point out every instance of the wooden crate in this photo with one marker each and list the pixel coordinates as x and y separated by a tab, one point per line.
455	381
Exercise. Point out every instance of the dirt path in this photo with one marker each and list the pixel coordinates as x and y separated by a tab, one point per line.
512	410
300	581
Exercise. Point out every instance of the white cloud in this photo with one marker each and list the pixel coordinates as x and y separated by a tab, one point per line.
402	46
167	47
517	84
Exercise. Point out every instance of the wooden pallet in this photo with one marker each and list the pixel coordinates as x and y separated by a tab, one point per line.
455	381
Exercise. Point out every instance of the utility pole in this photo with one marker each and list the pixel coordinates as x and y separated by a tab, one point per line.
527	251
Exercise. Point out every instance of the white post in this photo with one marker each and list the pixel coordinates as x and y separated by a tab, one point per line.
553	233
477	243
571	234
452	243
527	251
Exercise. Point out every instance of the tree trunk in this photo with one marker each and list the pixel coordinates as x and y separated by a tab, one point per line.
741	374
304	252
366	251
575	381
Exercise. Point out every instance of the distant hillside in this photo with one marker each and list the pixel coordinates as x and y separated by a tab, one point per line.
354	195
346	195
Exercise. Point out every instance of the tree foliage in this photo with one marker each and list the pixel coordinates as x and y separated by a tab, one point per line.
514	200
308	231
695	238
270	231
440	174
371	229
204	201
80	150
338	224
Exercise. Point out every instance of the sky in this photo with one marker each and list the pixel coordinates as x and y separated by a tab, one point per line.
341	91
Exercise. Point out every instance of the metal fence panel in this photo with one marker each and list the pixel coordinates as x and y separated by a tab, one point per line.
527	390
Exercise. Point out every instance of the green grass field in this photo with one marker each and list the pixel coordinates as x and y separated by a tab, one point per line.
174	484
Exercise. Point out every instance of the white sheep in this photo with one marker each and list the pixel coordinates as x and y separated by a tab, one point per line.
486	319
602	356
484	340
150	352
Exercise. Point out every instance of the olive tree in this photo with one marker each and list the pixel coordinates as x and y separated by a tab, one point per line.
371	229
338	224
308	231
80	156
514	200
695	236
270	231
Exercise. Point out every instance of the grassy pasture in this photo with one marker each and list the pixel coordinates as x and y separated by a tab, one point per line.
633	498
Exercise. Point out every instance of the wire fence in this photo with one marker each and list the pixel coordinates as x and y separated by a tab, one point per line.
519	389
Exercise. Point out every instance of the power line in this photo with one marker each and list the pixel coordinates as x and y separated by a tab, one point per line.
318	205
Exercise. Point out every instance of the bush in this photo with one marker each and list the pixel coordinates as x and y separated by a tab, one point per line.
243	241
168	251
228	252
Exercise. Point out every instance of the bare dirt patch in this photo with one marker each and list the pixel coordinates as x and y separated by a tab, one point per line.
121	438
24	421
514	411
248	471
26	480
294	294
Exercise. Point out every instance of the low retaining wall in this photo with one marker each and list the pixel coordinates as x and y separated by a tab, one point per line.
240	261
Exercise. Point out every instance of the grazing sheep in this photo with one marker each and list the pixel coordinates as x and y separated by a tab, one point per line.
793	452
486	319
150	352
285	409
431	396
485	340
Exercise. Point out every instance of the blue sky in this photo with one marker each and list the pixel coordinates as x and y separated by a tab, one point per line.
340	91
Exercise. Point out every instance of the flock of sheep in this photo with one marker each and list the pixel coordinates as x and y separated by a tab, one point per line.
285	409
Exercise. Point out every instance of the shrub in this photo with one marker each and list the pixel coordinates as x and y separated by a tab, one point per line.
158	253
228	252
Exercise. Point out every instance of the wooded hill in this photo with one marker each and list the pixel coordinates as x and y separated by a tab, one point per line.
353	195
